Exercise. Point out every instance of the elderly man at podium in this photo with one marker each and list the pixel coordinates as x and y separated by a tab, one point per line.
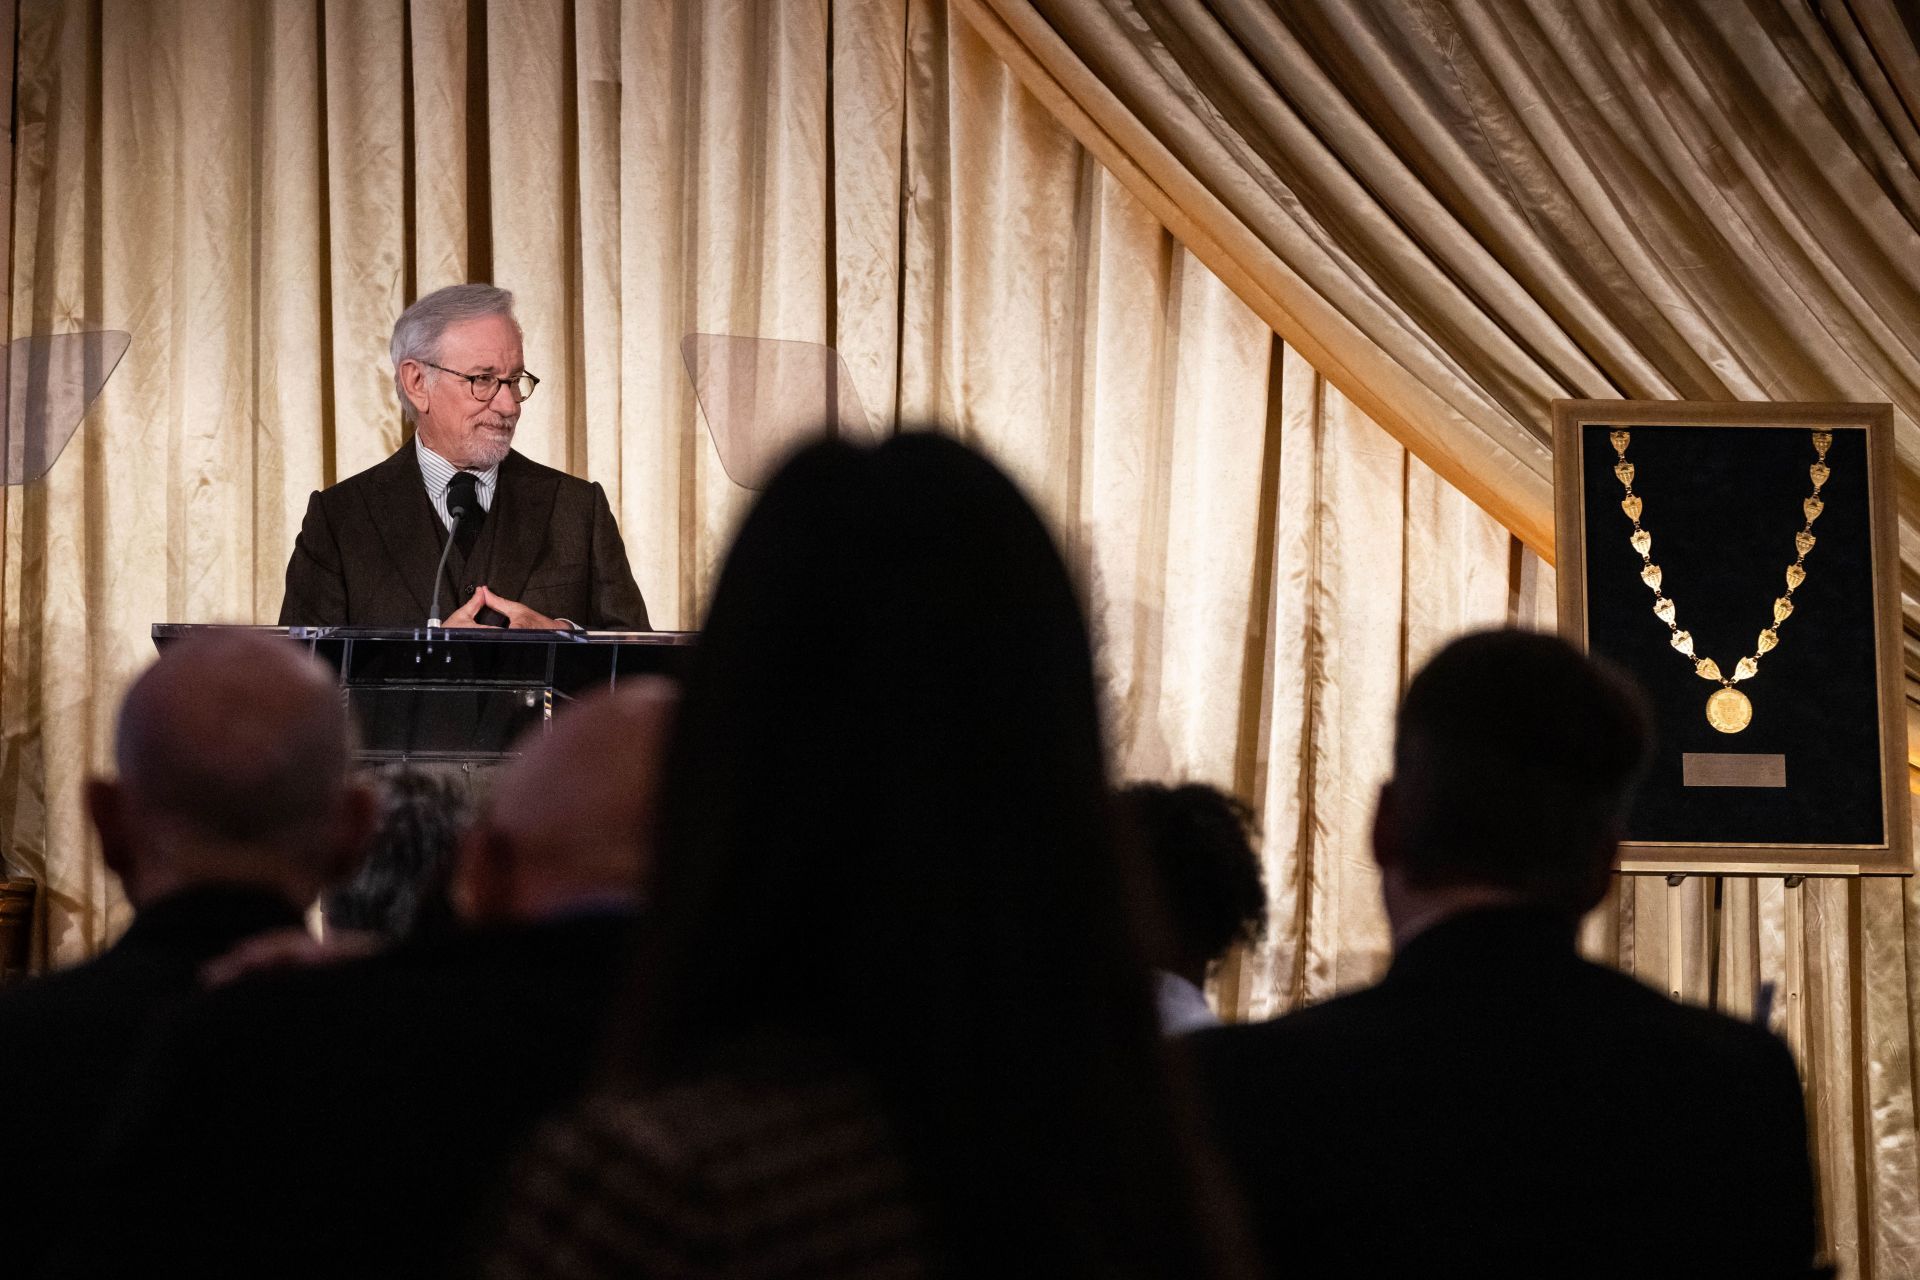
530	546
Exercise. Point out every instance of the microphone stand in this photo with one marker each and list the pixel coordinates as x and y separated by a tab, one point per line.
440	570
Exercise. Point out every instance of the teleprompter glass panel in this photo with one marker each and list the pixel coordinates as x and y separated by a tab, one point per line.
443	721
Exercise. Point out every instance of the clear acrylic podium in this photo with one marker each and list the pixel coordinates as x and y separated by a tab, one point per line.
465	696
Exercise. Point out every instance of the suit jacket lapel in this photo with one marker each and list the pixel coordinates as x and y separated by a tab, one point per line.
410	529
516	526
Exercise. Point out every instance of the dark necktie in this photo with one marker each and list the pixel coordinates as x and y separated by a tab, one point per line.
463	499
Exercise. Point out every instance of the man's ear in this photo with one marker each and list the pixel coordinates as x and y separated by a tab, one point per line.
106	810
413	380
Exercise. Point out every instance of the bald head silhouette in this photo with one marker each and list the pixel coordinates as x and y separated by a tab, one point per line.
569	823
232	756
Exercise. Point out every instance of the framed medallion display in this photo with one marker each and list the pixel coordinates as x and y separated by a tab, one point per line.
1741	561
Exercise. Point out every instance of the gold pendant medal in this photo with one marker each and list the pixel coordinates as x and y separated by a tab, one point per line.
1729	711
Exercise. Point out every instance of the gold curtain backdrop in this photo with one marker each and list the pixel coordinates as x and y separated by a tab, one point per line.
255	191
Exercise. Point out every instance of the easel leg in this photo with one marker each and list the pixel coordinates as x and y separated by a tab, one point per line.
1793	999
1676	937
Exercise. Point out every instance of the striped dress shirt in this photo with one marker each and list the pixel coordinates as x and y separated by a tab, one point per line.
436	472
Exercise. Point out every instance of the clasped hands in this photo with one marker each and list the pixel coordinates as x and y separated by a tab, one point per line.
518	615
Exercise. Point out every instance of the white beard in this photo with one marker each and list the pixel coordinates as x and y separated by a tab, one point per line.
488	448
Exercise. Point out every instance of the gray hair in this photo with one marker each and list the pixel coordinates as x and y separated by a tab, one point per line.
418	331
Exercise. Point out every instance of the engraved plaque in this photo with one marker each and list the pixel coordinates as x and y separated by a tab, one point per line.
1729	769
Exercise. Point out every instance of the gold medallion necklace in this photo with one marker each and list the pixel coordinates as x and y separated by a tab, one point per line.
1728	710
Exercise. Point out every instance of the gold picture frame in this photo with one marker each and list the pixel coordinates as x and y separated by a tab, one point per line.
1720	493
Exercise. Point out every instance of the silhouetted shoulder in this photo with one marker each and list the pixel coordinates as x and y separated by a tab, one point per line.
1687	1027
1464	1116
381	1097
1357	1015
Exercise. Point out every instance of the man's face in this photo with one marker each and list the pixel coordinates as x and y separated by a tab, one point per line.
465	431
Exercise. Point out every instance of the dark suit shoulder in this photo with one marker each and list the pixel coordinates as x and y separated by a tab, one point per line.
1581	993
537	972
1694	1042
49	1004
1349	1014
573	497
1686	1019
404	461
516	468
157	959
524	468
341	506
60	986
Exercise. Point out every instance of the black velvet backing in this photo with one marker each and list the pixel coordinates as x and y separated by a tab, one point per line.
1723	504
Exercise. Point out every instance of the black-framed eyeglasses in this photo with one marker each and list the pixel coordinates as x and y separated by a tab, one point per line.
485	385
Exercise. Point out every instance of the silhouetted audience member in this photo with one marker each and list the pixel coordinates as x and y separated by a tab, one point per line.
1199	844
1498	1105
403	889
350	1119
897	1021
232	808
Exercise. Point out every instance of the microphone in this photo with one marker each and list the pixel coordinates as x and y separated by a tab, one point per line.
463	499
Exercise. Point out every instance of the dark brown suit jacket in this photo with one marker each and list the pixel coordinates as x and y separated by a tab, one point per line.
367	549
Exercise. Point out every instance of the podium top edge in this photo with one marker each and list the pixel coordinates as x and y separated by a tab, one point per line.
166	632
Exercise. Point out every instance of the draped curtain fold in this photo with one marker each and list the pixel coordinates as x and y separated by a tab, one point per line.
255	191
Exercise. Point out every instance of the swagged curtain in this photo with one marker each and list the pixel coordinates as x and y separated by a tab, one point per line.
1465	211
255	191
1460	212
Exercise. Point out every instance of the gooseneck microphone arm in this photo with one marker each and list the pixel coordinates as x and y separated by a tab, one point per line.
439	572
461	498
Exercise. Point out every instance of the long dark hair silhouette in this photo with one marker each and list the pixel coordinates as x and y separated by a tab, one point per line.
886	824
